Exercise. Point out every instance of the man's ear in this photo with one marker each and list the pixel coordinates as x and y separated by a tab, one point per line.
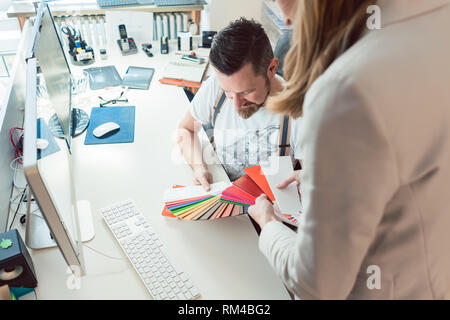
273	67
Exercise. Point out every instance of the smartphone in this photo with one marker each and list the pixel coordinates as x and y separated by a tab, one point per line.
122	31
164	45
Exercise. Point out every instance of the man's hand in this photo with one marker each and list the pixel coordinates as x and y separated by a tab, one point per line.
192	150
203	177
262	211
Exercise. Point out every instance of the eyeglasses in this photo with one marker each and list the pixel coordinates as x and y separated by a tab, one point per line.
112	101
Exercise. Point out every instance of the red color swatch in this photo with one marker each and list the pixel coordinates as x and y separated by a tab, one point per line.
257	175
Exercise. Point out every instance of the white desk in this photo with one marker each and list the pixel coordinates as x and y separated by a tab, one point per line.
220	256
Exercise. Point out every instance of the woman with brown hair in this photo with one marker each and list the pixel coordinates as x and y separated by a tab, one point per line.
375	179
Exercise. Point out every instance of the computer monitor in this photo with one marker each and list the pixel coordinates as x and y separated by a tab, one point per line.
60	219
52	185
47	48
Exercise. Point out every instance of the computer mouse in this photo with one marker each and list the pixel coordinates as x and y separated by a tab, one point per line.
41	144
106	129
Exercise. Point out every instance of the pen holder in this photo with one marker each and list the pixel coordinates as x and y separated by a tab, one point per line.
82	58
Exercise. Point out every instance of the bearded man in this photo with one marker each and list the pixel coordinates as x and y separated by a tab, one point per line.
231	102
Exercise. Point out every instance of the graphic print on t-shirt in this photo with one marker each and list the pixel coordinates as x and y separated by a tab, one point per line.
242	148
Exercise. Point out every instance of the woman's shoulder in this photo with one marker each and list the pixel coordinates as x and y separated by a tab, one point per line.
360	71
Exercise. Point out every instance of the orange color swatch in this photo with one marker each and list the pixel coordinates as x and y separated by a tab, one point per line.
258	177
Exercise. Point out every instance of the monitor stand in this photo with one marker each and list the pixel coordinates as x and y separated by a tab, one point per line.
80	121
38	235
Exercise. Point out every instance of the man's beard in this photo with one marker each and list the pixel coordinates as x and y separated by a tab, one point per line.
248	111
251	108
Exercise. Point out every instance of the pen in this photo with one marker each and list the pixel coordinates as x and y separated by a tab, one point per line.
194	59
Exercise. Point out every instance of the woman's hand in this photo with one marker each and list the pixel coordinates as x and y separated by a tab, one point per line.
262	211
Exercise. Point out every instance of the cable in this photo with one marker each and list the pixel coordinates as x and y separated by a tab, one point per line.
19	160
17	210
12	201
23	217
95	250
114	258
18	151
39	216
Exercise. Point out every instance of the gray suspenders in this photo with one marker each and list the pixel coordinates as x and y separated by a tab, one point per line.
285	127
209	127
218	106
284	145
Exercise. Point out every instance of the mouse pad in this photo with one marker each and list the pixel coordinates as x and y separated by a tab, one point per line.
43	132
123	116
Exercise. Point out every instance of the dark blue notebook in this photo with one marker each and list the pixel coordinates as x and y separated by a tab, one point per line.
123	116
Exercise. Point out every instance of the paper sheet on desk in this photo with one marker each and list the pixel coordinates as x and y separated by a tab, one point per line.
185	70
277	170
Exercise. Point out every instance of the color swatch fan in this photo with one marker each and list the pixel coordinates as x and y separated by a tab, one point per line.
194	203
263	179
227	200
243	191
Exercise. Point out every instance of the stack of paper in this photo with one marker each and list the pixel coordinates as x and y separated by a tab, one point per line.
184	73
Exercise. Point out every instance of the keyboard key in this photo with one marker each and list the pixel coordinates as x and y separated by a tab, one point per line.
181	296
184	277
194	291
189	284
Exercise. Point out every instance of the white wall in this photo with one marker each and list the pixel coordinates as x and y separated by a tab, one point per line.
4	5
219	13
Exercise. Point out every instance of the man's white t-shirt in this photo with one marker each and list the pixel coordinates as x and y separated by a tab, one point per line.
241	143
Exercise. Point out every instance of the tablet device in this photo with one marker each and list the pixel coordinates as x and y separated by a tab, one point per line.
138	77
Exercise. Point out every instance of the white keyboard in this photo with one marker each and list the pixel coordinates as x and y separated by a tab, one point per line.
160	274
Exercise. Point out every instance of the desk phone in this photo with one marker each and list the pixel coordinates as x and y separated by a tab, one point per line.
127	45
